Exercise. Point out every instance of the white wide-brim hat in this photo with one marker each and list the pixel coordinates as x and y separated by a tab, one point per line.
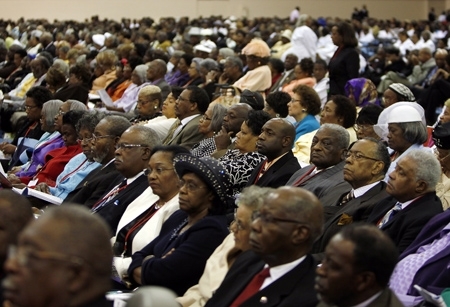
400	112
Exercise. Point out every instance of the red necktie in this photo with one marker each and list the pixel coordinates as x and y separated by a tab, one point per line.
252	288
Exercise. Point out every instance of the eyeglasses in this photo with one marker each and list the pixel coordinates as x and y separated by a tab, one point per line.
30	107
269	219
85	140
158	170
129	146
190	186
61	113
236	226
362	127
295	100
204	117
358	156
183	99
24	255
97	137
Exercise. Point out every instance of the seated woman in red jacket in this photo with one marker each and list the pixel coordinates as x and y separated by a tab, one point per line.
56	159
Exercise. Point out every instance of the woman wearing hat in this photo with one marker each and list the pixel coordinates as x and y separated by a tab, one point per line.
362	92
397	92
282	45
402	125
258	77
441	138
176	259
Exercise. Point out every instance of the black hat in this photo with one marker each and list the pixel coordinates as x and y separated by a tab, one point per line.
441	136
209	170
254	99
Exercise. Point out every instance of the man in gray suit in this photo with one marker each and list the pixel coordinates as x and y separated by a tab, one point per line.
155	75
288	74
190	105
366	163
324	177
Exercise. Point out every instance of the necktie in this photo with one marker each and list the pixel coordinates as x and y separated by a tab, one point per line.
171	133
252	288
304	178
113	193
347	198
390	214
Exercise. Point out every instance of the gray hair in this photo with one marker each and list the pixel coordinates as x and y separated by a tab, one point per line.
141	71
209	64
76	105
427	166
218	113
90	120
117	124
146	135
226	52
341	135
198	62
51	109
414	132
252	197
61	66
235	61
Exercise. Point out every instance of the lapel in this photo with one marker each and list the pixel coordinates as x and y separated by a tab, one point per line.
325	174
287	285
412	206
276	167
126	191
193	123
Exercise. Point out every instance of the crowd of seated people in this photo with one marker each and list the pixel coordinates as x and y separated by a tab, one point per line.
310	141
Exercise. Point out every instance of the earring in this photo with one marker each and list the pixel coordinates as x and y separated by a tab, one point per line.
155	107
259	63
277	115
303	110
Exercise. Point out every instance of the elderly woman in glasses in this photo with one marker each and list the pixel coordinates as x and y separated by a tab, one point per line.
144	217
176	259
237	242
148	104
209	125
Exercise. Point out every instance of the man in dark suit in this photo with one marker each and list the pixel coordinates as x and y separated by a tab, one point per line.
132	155
414	202
275	142
106	135
324	177
277	271
46	41
190	105
155	75
356	269
365	167
288	74
433	274
64	257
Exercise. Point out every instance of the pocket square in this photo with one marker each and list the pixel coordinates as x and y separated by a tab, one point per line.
345	219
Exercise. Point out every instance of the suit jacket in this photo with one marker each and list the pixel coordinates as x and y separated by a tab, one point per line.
94	186
113	210
165	88
356	210
188	136
434	274
295	288
387	298
343	66
404	227
278	84
278	174
328	185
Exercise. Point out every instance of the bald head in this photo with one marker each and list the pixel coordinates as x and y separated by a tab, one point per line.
235	116
277	137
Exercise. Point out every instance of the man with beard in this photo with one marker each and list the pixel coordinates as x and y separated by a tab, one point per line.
103	142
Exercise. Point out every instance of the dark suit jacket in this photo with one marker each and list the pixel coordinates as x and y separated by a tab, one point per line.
278	174
165	88
51	48
189	134
328	185
78	92
113	210
404	227
278	84
343	66
387	298
434	274
356	210
94	186
295	288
